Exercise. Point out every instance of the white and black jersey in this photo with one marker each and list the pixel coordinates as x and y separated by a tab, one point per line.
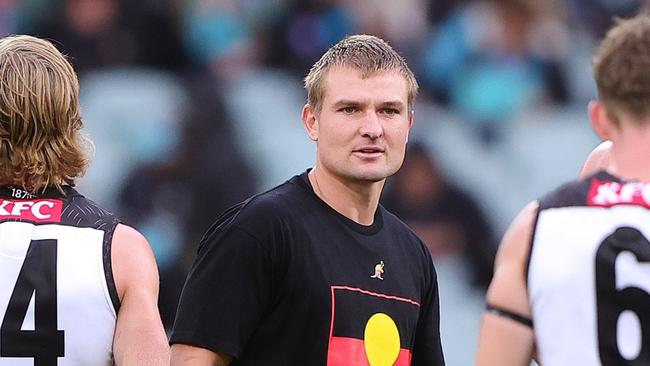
58	301
589	274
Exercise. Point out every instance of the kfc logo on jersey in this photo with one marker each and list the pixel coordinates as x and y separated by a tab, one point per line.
607	194
33	210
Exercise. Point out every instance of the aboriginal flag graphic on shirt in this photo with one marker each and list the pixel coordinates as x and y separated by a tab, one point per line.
370	329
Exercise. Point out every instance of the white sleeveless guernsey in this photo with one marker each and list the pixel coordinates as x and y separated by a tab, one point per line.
57	294
589	274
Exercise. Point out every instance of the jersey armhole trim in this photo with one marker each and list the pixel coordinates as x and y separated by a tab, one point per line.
498	311
531	242
108	266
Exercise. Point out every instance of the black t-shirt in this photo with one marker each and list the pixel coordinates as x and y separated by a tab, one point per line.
284	279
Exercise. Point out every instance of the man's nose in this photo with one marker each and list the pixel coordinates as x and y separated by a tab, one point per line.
371	126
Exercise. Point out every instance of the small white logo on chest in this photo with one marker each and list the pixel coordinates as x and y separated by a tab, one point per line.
379	270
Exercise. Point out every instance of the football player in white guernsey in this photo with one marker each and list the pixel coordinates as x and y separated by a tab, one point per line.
572	277
77	288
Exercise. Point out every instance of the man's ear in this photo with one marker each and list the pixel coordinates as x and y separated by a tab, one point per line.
310	120
601	121
410	119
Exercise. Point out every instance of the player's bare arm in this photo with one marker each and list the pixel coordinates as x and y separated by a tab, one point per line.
140	338
506	336
187	355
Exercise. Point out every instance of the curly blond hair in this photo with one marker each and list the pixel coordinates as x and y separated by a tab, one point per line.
41	143
369	55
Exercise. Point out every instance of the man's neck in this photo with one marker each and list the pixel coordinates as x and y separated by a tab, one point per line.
629	158
357	201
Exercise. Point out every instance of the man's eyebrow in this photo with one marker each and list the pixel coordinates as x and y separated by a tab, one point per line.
393	103
346	102
397	104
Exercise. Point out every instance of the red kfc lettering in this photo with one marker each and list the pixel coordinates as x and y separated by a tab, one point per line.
39	213
3	205
21	206
607	194
33	210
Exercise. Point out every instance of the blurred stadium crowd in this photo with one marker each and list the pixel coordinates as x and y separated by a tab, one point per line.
195	104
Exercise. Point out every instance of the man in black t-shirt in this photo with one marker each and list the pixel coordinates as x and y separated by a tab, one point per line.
315	271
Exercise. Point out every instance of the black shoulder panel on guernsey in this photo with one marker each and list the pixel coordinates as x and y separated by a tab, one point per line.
79	211
574	193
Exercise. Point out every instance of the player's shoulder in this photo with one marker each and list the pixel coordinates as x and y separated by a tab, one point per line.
261	213
514	250
133	264
398	227
275	203
126	233
128	244
392	222
577	192
80	211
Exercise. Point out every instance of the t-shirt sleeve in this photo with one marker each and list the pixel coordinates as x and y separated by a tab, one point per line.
226	292
427	349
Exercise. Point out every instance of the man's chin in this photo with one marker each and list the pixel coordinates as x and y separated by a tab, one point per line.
370	176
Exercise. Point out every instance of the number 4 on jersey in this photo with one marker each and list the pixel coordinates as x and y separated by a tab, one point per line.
37	277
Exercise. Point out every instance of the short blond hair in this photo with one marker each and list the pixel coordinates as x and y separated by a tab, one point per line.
621	68
41	143
368	54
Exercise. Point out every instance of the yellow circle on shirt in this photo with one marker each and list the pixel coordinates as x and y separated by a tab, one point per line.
381	340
